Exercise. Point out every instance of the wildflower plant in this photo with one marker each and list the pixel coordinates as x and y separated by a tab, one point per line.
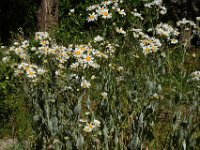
107	88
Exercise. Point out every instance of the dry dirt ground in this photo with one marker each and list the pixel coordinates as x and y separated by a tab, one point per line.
6	143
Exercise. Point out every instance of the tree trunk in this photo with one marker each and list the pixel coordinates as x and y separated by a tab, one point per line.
47	15
186	36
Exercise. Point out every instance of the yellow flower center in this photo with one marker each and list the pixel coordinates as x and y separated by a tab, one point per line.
101	8
26	68
43	42
153	48
46	49
105	14
91	17
82	48
77	52
89	51
147	49
88	58
31	73
149	41
174	40
144	42
90	126
18	50
61	54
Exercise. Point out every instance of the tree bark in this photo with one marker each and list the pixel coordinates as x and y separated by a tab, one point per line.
47	15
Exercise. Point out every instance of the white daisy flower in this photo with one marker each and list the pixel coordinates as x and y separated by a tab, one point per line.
31	73
85	83
97	123
104	95
72	10
174	41
121	12
98	38
41	71
92	17
106	15
121	31
89	127
146	50
105	3
93	77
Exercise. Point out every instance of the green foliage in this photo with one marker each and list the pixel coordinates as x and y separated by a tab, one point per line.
131	88
14	114
6	90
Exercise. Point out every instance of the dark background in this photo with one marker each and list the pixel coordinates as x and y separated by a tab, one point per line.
22	13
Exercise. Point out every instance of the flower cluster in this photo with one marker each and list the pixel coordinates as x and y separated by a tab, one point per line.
41	36
90	126
42	48
147	43
5	59
30	70
136	14
61	53
84	55
20	49
137	33
185	22
196	75
150	45
104	11
167	31
159	4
